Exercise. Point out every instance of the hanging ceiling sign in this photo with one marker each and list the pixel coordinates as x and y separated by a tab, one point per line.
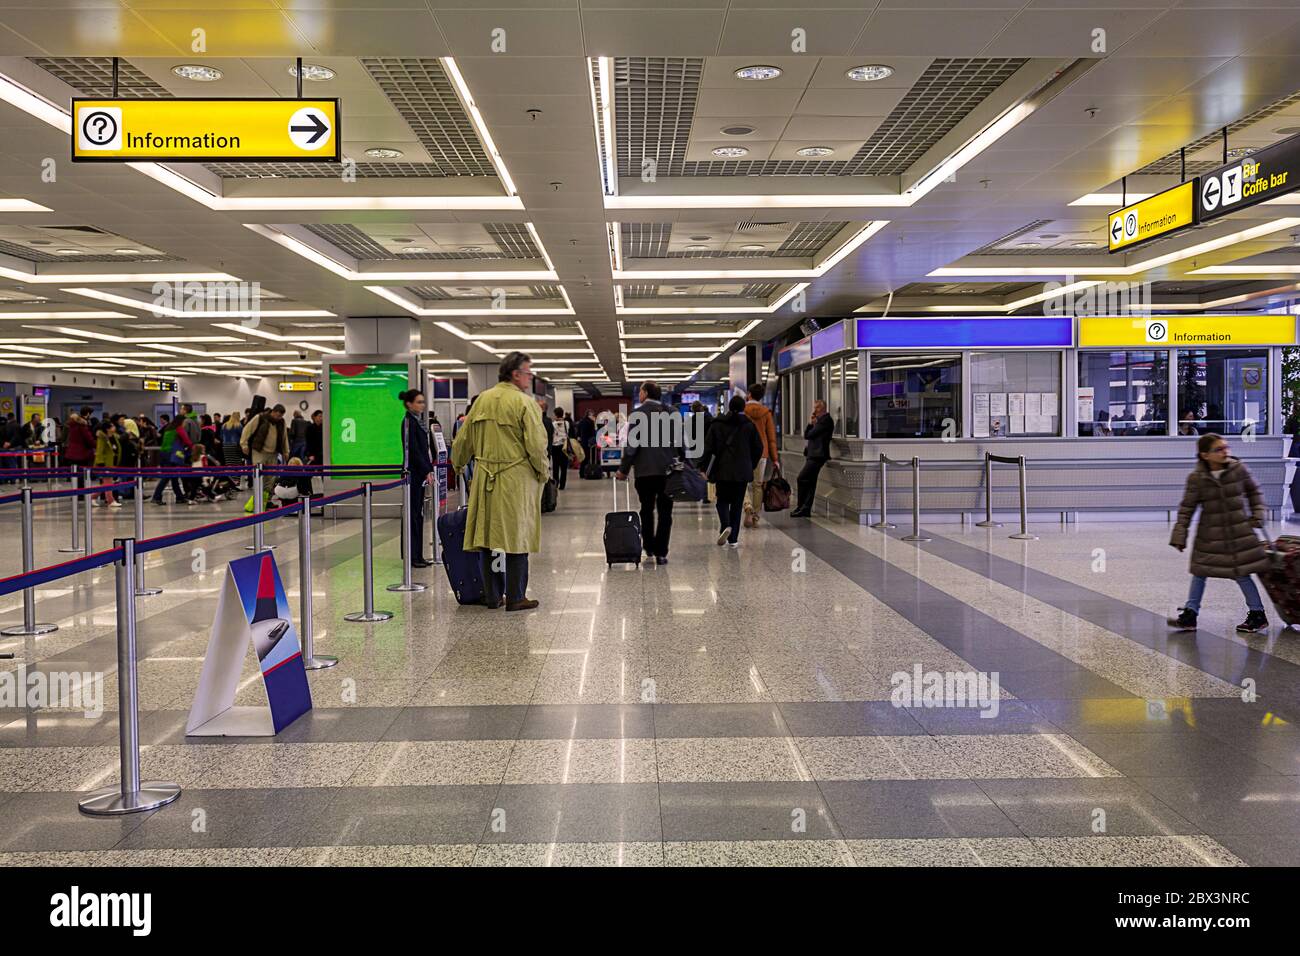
1152	217
1263	175
205	130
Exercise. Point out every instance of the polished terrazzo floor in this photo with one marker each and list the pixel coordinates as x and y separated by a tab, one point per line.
732	707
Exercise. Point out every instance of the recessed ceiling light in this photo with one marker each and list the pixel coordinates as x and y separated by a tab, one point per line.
870	73
412	249
1086	245
194	71
1239	151
68	252
313	71
736	130
471	249
383	152
1028	245
700	238
126	252
758	73
814	151
1288	130
696	247
730	152
678	292
753	247
719	292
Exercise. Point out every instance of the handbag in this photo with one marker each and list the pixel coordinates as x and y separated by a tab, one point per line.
550	496
576	454
776	491
685	483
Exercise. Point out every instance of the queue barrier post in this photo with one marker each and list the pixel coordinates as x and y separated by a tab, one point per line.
1024	534
437	513
883	524
259	542
88	503
141	590
368	615
988	521
406	583
76	522
29	626
310	659
130	795
916	504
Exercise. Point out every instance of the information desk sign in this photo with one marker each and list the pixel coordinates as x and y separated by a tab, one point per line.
205	130
1151	218
1263	175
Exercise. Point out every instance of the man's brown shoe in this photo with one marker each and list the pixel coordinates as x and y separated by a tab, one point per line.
487	602
522	605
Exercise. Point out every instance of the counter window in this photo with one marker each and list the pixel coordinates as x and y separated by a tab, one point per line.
1222	390
1123	394
915	396
851	397
1015	393
835	404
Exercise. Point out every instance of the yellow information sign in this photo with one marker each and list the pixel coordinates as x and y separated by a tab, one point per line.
205	130
1152	217
1186	331
298	386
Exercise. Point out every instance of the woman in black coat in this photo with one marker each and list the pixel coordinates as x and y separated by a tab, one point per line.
732	449
415	448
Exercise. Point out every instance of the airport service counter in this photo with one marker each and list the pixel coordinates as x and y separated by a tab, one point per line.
1065	477
1106	410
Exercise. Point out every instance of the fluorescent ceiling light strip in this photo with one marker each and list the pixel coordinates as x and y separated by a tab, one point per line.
976	145
467	100
1110	200
50	278
604	71
65	315
22	205
170	312
537	240
1229	270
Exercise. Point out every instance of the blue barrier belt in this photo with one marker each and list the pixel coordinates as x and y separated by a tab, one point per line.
31	579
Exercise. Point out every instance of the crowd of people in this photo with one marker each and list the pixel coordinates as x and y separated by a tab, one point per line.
87	439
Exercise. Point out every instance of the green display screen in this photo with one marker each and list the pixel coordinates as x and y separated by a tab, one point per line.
366	414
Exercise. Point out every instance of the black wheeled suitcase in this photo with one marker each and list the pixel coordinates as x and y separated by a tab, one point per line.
462	566
1282	580
622	532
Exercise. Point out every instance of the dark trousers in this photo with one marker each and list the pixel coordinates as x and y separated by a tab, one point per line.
559	465
176	487
730	506
516	577
653	501
417	522
807	482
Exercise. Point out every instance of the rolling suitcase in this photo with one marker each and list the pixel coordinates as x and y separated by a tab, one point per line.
1282	580
461	565
622	532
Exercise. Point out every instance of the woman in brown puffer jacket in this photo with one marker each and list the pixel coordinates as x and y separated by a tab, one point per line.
1226	545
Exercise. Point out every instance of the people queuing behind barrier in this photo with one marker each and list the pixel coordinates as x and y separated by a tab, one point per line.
265	437
762	418
732	451
817	451
107	455
504	437
652	461
418	461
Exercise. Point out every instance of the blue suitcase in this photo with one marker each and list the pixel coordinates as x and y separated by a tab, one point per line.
461	565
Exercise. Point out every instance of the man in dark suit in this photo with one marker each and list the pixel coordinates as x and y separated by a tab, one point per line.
817	451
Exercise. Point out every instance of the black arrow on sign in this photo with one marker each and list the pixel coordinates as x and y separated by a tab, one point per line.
1115	230
317	128
1212	192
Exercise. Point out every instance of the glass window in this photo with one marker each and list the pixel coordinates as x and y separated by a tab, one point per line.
1222	390
805	399
835	404
1015	393
851	397
915	396
1123	394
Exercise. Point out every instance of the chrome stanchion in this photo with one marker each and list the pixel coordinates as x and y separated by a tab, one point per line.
258	500
88	502
407	584
1024	534
310	659
916	504
437	513
988	521
76	521
369	614
130	796
883	523
29	625
140	589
